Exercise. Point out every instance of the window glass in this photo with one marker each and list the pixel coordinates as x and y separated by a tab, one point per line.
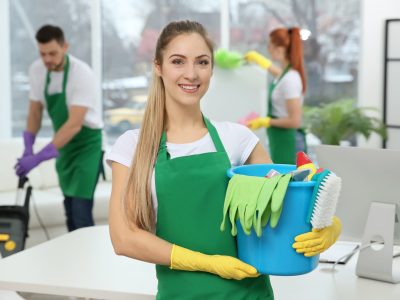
26	17
331	48
130	31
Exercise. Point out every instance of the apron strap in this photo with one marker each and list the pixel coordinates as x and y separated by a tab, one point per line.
163	154
214	136
272	87
65	78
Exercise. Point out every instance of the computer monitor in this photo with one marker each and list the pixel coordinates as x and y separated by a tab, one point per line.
368	175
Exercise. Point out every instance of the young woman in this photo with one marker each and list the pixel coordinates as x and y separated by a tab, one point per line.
285	94
169	179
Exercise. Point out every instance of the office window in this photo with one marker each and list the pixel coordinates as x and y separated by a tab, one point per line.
26	17
331	48
130	31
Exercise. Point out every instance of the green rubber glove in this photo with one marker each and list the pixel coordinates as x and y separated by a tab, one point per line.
258	123
263	208
259	59
277	199
227	267
228	200
318	240
241	201
248	196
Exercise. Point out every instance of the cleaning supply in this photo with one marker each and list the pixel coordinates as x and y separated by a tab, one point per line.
27	163
271	173
271	252
324	199
29	140
262	61
253	201
228	201
227	59
227	267
259	122
300	175
241	201
263	208
249	117
304	162
277	199
317	241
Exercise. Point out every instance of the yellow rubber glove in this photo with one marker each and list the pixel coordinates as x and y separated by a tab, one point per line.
227	267
259	122
318	240
259	59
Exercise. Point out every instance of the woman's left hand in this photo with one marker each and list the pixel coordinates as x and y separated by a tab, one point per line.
258	123
318	240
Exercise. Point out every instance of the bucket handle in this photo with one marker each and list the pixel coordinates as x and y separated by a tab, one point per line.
230	172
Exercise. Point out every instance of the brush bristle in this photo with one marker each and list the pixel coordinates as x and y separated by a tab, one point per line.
326	201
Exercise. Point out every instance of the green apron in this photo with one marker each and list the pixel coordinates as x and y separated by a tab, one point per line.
190	193
79	160
282	141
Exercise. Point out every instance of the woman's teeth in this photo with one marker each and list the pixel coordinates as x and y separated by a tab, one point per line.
190	88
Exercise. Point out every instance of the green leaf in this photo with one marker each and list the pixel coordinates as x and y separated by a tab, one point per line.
341	120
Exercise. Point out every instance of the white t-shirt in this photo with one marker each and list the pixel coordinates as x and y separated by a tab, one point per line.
238	141
289	87
81	88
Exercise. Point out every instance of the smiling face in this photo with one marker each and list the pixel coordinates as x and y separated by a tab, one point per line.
186	69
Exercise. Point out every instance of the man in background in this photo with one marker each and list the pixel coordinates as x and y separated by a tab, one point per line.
65	86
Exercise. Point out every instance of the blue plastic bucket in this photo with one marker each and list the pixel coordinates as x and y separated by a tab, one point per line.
272	253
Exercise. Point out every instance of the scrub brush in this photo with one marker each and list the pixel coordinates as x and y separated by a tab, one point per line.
324	199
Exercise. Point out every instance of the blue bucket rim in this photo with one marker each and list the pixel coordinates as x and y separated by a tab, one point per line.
231	172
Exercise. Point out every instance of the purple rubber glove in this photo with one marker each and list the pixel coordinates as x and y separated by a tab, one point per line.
29	140
26	164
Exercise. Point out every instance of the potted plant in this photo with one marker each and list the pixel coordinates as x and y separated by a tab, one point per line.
341	120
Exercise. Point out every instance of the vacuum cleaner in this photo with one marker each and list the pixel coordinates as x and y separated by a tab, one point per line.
14	220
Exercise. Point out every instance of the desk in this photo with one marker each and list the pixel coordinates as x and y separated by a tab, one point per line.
342	283
83	264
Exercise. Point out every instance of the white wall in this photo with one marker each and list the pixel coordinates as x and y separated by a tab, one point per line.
5	83
371	68
233	94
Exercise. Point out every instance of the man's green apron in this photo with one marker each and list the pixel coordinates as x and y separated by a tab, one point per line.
79	160
190	194
282	141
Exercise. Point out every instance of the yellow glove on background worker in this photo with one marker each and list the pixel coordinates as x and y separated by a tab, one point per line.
259	122
227	267
259	59
318	240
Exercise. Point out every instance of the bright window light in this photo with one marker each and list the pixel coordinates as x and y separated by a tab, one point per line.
305	34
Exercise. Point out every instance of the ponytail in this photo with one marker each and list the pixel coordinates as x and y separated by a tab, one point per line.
290	39
296	54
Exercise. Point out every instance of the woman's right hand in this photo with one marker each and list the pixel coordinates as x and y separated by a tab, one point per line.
259	59
227	267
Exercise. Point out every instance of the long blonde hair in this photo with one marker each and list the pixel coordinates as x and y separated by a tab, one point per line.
137	201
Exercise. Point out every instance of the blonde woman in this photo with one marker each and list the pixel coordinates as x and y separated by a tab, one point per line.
169	179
